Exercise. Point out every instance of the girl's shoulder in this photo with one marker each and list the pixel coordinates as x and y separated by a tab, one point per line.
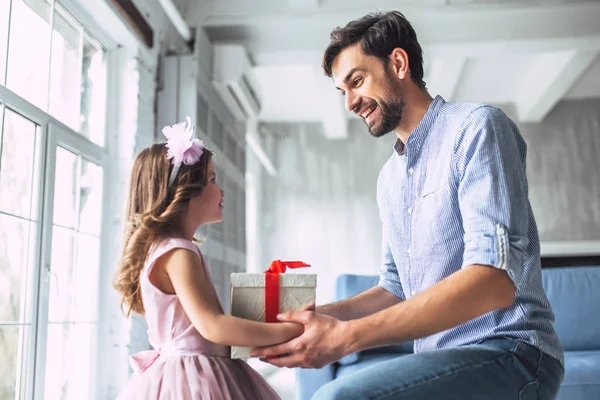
162	246
168	243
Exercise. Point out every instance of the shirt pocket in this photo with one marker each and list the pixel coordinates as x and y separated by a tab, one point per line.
428	193
436	224
431	184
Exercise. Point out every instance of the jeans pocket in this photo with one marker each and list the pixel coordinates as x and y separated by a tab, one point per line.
531	391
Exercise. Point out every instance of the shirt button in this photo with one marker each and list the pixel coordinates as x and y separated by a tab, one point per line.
409	210
413	292
408	250
411	171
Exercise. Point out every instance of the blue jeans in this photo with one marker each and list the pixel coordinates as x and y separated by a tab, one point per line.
499	369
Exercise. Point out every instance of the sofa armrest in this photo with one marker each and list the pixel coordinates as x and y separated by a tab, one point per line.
308	381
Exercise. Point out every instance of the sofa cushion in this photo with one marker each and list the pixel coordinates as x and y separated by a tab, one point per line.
349	285
582	368
573	294
582	376
310	380
349	359
366	360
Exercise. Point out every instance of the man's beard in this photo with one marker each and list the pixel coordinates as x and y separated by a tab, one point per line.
390	113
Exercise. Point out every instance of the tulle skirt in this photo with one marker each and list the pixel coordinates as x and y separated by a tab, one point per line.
198	377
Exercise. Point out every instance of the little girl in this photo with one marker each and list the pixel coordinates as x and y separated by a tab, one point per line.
163	275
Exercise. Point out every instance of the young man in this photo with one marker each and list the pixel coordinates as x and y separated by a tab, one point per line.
461	267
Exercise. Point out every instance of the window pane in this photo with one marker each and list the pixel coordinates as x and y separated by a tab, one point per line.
16	256
13	347
85	299
17	167
65	68
90	202
61	290
29	50
65	182
4	15
68	361
93	92
73	276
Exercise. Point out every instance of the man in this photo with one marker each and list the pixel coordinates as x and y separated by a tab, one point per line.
461	267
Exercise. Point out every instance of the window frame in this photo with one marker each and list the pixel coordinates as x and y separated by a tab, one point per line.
52	134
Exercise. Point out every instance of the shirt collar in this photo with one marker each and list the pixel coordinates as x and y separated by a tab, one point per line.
416	137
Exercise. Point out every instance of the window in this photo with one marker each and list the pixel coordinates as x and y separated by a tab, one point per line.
51	191
29	51
4	17
74	271
54	64
19	171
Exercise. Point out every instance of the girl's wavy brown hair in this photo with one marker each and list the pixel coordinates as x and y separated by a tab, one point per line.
154	210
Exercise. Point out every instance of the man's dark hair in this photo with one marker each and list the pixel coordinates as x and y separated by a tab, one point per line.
378	34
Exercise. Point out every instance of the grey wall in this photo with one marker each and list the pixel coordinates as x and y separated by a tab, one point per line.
563	164
321	206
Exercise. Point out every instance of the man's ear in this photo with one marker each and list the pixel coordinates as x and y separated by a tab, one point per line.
399	60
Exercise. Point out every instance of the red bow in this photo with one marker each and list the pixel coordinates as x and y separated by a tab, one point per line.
272	286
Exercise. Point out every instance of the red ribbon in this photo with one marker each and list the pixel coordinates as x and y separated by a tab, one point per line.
272	286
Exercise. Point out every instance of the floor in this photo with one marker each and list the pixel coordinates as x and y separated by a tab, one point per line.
283	380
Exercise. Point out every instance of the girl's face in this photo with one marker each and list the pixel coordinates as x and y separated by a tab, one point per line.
207	207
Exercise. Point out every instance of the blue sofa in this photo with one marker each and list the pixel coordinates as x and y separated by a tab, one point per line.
574	293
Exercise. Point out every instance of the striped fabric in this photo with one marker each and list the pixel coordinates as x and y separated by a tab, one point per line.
454	196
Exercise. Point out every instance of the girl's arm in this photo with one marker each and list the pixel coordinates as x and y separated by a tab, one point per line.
191	285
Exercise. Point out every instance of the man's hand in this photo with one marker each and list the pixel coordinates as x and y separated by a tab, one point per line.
323	341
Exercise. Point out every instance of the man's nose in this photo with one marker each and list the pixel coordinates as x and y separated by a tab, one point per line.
351	102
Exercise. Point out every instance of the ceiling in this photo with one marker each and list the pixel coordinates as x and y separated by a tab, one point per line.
524	55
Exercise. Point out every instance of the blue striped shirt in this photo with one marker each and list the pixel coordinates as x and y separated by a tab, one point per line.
456	195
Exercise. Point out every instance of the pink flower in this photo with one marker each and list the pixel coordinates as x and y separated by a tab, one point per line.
181	147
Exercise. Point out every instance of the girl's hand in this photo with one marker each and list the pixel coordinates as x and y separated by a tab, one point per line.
292	329
324	341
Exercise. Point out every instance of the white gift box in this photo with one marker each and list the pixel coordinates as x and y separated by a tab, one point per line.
248	298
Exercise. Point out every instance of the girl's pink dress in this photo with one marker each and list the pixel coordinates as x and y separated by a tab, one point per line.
184	365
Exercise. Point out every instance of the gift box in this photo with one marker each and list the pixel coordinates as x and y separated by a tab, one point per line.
260	297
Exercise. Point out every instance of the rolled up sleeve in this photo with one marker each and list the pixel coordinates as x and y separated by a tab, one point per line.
388	272
490	162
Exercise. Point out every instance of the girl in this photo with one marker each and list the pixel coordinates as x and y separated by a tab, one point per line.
163	275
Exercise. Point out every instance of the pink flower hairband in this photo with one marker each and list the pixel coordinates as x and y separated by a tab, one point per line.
181	147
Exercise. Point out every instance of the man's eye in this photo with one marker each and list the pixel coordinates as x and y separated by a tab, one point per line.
343	93
357	81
